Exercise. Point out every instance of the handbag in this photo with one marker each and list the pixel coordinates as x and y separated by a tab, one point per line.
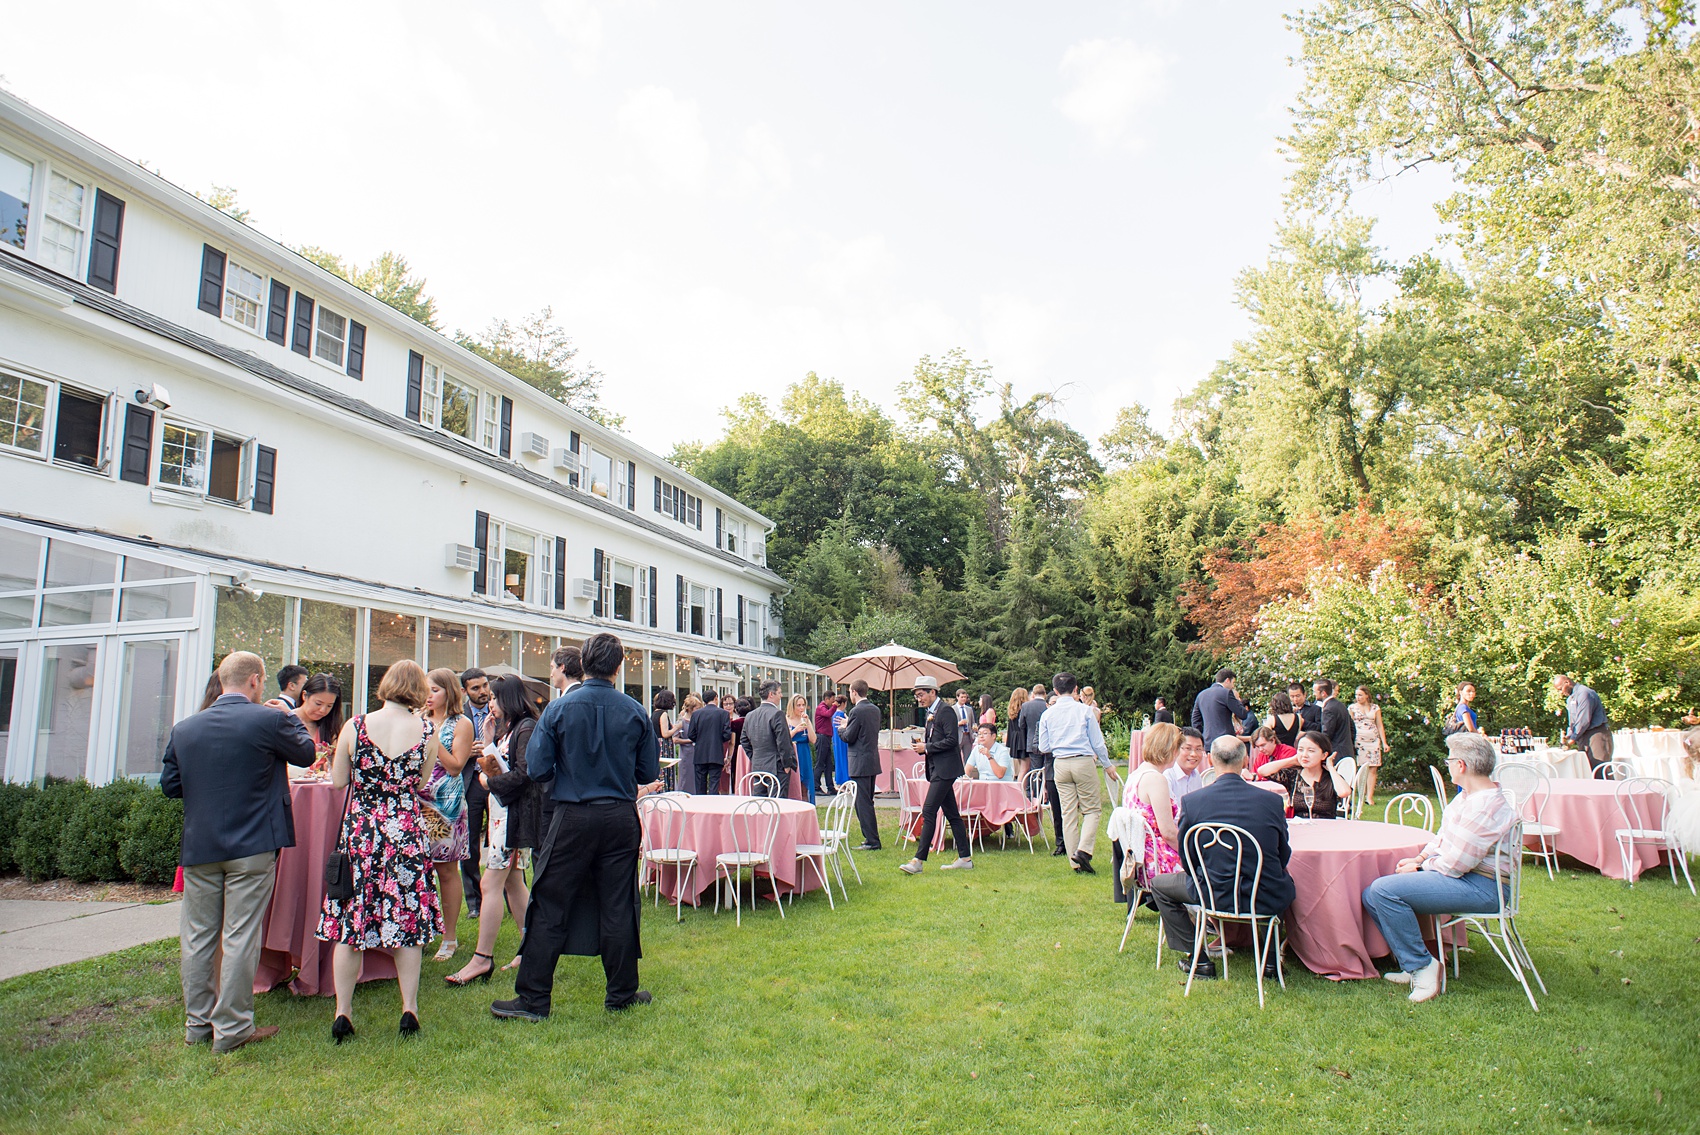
339	868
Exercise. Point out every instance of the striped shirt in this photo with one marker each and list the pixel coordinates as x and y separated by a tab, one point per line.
1472	837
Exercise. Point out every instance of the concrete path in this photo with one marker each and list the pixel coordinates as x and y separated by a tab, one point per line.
37	935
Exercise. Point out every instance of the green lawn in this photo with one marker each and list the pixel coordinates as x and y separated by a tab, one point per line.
992	1001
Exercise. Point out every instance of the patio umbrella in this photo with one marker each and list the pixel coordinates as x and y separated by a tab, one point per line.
539	692
891	667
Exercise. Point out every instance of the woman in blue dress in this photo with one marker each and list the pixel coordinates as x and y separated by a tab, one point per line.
803	736
840	748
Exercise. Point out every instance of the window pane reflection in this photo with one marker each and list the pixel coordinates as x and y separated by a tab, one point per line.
394	637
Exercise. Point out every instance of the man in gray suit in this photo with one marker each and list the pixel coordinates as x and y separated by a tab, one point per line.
227	764
767	736
861	733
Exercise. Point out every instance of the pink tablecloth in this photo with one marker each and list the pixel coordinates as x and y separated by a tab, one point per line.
999	802
1333	861
708	831
912	763
1585	814
288	943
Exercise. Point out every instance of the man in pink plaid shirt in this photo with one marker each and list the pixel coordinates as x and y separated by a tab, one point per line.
1459	871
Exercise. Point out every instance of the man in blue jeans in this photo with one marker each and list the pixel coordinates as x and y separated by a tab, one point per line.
1459	871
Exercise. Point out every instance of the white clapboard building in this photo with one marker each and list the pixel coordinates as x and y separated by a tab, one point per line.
208	443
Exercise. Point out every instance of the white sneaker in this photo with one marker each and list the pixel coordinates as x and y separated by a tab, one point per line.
1425	983
913	867
1398	977
960	865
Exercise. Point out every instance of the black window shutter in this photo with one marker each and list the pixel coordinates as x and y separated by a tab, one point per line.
302	344
631	486
572	447
572	441
560	573
719	528
103	251
740	620
138	444
507	439
415	383
719	606
481	541
212	280
596	574
265	478
654	598
277	314
658	494
357	350
680	612
698	501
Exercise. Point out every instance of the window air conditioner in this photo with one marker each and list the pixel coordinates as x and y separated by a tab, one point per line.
584	589
461	557
729	625
533	445
566	459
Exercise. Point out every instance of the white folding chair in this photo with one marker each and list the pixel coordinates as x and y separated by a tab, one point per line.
1033	804
833	838
906	812
1246	851
1613	770
663	821
1643	804
1530	788
755	825
1439	789
759	783
1128	826
1498	926
841	829
1409	804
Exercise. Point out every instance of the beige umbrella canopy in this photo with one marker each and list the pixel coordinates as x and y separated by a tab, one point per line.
891	667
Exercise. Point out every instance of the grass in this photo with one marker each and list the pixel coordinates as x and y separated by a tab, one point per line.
992	1001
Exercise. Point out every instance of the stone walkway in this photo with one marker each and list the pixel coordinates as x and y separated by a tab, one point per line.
37	935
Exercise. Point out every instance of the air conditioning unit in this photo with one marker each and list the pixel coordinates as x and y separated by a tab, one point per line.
566	459
729	626
461	557
533	445
584	589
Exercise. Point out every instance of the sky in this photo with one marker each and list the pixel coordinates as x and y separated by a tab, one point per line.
717	199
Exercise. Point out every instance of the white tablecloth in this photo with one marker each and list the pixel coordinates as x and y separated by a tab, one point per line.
1656	754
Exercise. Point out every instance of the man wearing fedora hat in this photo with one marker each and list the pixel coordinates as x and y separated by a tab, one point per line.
944	764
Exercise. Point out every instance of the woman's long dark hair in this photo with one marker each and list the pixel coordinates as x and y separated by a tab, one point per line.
329	727
509	693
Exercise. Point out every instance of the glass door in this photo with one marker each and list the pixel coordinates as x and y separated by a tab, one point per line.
67	679
147	705
9	701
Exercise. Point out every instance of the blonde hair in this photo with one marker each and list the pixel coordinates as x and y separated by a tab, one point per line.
1162	742
692	703
795	698
449	682
404	682
238	667
1017	699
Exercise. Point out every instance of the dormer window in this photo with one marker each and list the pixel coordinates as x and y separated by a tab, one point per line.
62	235
244	297
332	337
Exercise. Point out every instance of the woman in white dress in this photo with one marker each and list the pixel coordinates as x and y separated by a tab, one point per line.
1683	822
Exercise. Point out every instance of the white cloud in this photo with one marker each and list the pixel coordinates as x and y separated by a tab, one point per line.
764	167
666	132
579	25
1110	82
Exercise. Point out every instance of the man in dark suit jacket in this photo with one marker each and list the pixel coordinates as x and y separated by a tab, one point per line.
1163	713
1216	709
862	734
1336	724
708	733
767	738
1310	717
1226	800
228	764
1028	720
944	765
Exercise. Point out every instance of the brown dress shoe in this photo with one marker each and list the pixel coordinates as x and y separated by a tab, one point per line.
254	1037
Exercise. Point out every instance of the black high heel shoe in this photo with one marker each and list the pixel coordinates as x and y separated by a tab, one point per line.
409	1026
456	979
341	1029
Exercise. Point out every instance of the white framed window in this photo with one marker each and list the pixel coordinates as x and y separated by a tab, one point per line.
625	591
330	339
244	297
24	406
755	624
430	396
65	224
185	451
459	413
41	417
492	421
17	186
734	534
698	609
520	563
596	473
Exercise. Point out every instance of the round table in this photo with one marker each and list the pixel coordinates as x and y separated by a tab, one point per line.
1333	861
998	802
707	830
287	943
1586	816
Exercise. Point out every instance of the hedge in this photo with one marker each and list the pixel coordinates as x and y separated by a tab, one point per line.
119	831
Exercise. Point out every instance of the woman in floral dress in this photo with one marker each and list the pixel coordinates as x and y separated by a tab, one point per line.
385	757
1147	793
1372	739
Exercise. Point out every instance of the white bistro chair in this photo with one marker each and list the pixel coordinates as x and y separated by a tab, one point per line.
834	840
1530	787
759	783
755	825
1410	804
663	822
1498	926
906	812
1643	804
1439	789
1347	767
1227	839
1614	770
1034	804
1127	827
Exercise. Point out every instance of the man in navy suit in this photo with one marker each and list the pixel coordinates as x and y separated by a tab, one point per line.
1226	800
227	763
708	733
1216	709
1336	724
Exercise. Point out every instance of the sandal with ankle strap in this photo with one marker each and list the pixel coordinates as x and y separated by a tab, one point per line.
456	979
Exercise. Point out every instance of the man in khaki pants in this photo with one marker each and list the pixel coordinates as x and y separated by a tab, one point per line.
1069	731
228	765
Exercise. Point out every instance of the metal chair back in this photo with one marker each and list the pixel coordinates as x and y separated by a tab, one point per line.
1409	804
755	825
1245	850
1439	787
1643	802
759	783
1613	770
663	821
